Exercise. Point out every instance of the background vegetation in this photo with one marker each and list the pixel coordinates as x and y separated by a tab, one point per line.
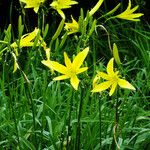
36	116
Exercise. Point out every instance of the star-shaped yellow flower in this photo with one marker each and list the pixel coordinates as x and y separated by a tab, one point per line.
129	14
58	5
35	4
27	39
113	79
72	27
71	69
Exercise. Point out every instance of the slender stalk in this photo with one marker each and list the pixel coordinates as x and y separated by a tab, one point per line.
29	95
78	132
100	125
12	104
69	119
116	124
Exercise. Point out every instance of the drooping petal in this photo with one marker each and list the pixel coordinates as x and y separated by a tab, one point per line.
74	82
62	77
61	13
104	75
125	84
48	64
110	67
59	68
96	7
112	90
67	61
80	70
102	86
133	9
95	80
78	60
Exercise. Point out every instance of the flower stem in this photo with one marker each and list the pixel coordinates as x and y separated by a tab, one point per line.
78	131
29	95
116	124
69	119
100	125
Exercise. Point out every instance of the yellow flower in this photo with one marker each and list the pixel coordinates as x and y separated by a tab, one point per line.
129	14
33	4
70	70
96	7
27	39
58	5
113	79
72	27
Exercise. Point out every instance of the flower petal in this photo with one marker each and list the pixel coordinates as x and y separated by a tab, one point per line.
102	86
59	68
74	82
113	87
104	75
125	84
61	13
67	61
110	67
62	77
80	70
96	7
78	60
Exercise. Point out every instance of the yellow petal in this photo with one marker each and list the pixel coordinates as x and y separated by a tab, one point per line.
80	70
67	61
61	13
133	9
102	86
59	68
110	67
112	90
62	77
25	40
125	84
95	80
36	9
104	75
47	63
96	7
74	82
78	60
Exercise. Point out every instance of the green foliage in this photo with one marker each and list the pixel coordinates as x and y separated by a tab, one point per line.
38	113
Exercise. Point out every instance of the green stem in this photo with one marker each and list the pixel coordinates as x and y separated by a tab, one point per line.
78	132
29	95
12	104
100	125
116	125
69	119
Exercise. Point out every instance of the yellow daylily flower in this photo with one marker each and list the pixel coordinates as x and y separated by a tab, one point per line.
112	80
95	8
26	40
58	5
35	4
129	14
71	69
72	27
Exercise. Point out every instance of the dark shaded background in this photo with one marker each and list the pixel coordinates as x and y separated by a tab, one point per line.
10	10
